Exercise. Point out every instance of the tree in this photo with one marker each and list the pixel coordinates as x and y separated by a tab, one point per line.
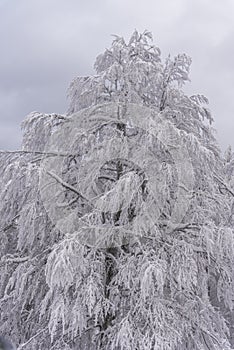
115	218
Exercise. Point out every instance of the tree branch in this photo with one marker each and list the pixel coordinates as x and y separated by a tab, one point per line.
69	187
55	154
32	338
224	184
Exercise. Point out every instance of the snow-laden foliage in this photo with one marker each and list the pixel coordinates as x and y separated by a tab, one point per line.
91	256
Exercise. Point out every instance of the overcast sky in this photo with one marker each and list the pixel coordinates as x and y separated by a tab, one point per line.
46	43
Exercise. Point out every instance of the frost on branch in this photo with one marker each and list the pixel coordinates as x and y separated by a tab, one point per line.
92	257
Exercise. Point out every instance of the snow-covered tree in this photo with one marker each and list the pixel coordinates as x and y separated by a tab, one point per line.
115	218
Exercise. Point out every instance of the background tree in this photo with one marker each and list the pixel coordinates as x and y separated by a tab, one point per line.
92	256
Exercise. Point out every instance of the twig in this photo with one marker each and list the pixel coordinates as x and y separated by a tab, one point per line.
15	259
32	338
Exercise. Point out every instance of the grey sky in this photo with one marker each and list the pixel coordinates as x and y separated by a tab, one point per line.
45	43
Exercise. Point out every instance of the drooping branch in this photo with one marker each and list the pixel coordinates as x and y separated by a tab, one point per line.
69	187
224	184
